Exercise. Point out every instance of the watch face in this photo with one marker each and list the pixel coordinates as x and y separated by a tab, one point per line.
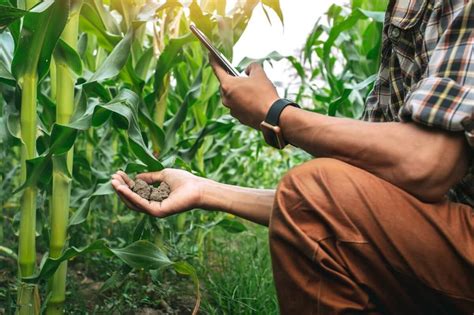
273	135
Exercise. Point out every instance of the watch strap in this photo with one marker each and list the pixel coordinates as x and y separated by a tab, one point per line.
273	115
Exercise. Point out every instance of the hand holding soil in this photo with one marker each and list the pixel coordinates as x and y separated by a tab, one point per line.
149	192
178	191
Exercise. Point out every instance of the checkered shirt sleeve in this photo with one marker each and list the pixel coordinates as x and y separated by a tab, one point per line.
445	97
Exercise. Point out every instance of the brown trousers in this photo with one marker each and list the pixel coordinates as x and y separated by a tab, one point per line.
344	241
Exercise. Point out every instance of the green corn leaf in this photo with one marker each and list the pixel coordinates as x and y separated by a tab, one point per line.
210	6
377	16
298	67
167	60
6	48
42	27
50	265
180	116
346	24
150	9
38	170
126	105
143	64
334	106
241	15
5	75
123	110
65	54
60	164
135	167
212	128
202	20
232	226
142	254
62	139
313	38
104	190
129	76
80	215
156	133
186	269
91	22
5	251
105	16
12	121
273	56
9	15
226	36
95	89
115	61
275	6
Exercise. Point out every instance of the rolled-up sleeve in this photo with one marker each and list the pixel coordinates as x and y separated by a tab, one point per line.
445	97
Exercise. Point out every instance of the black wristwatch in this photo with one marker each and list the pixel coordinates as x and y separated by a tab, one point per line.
271	131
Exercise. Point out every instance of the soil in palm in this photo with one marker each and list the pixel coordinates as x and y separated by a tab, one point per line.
149	192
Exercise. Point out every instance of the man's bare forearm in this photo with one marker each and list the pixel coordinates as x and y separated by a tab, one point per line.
252	204
424	162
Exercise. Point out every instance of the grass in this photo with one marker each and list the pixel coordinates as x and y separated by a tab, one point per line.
237	275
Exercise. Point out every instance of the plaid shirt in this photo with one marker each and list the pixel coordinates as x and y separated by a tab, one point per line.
427	72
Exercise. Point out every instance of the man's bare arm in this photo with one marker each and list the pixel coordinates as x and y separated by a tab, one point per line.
252	204
189	191
423	161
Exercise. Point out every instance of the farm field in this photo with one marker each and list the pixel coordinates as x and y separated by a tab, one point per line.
89	87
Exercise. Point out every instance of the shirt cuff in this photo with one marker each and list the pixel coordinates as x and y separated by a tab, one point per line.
441	103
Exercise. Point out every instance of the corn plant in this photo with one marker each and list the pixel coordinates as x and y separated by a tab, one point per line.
61	180
341	57
338	63
89	87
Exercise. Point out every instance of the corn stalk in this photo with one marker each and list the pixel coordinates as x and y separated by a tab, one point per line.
28	298
28	301
60	202
41	29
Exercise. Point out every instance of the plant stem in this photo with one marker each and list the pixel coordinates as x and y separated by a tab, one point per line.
52	74
61	178
28	299
89	147
27	246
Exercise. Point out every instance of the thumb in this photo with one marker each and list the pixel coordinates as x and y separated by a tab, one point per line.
220	73
151	177
255	69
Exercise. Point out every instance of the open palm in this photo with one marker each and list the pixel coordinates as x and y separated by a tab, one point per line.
185	192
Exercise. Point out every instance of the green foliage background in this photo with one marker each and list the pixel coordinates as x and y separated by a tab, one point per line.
147	99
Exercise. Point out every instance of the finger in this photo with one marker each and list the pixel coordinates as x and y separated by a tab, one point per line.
139	202
118	178
126	179
116	184
220	72
255	69
164	208
152	177
128	204
117	181
224	100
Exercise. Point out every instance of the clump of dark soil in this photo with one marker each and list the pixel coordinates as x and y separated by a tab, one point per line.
149	192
